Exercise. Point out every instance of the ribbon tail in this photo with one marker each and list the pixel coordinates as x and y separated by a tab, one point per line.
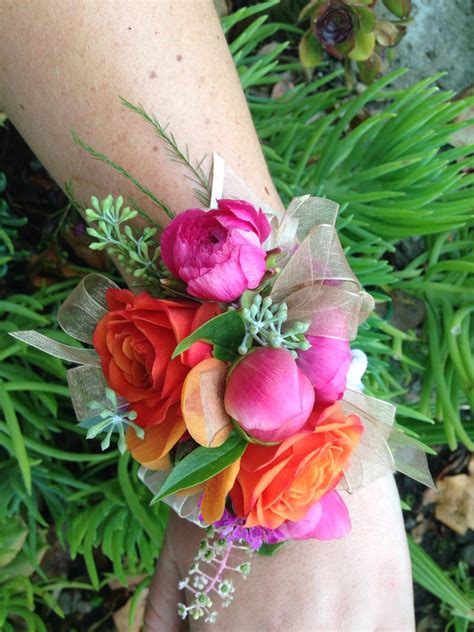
409	458
185	506
382	448
84	307
87	384
77	355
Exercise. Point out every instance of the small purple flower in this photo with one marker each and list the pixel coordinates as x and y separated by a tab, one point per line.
232	529
79	229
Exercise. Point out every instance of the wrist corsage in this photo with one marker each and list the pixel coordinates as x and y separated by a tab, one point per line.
230	378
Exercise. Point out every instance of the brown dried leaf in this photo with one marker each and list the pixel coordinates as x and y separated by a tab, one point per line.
465	136
132	581
281	88
454	500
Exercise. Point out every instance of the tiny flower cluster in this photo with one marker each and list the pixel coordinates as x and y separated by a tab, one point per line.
233	529
206	582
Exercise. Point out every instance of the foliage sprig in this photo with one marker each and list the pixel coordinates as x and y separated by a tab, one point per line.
138	254
199	176
264	321
113	419
141	187
206	581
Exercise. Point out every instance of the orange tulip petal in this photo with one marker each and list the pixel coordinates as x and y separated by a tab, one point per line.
215	493
202	403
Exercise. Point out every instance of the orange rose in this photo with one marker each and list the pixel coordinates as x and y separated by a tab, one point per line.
135	340
282	482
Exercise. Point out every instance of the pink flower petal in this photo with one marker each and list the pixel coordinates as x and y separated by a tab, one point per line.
327	519
335	520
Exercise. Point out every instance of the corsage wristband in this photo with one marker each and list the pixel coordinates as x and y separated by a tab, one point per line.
231	379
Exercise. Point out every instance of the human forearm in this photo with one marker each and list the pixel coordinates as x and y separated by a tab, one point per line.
66	63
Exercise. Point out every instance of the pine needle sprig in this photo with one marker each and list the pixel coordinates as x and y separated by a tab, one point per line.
199	176
69	190
141	187
144	215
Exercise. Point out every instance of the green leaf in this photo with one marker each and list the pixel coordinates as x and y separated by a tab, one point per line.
12	538
225	332
140	513
369	69
364	46
16	436
23	565
367	19
400	8
268	550
311	51
201	465
22	311
432	578
244	13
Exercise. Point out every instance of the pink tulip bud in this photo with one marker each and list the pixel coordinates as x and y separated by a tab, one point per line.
326	365
268	395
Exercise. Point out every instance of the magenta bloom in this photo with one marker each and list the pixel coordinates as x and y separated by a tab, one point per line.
268	395
326	365
328	519
217	253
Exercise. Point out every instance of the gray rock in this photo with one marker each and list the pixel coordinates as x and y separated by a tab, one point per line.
441	37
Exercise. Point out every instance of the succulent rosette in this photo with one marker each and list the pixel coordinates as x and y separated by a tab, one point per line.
351	30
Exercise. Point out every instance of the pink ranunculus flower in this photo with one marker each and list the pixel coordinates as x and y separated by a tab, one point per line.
268	395
326	365
327	519
217	253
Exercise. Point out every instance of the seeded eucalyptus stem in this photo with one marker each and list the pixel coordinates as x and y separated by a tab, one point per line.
264	324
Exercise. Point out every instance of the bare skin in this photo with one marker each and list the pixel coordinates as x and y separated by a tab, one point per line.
63	65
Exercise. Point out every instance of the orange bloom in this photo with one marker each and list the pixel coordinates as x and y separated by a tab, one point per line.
282	482
135	340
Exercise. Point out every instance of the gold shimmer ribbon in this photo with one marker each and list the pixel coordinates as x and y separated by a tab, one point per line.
382	447
78	316
316	281
185	506
319	287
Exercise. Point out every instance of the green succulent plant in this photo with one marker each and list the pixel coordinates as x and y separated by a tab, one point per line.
350	30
